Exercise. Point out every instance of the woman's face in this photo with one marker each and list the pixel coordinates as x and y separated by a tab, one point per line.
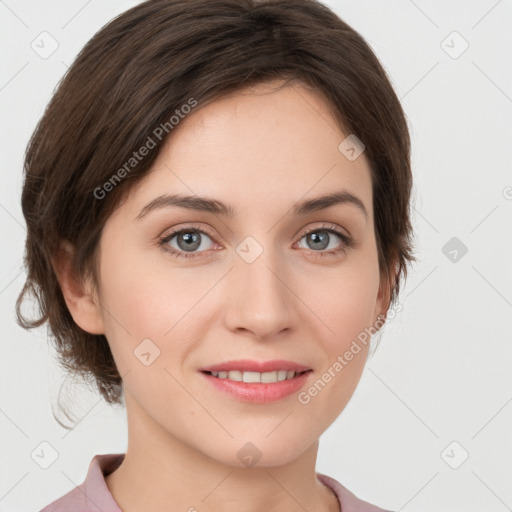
252	286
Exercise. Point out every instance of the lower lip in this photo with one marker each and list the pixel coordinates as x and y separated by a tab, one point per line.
259	392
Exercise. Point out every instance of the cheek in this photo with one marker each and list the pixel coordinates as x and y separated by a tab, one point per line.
344	300
348	305
147	302
345	307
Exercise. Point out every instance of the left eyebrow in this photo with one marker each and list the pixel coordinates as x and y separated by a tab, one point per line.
204	204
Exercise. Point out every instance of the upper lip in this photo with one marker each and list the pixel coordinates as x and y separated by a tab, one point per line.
246	365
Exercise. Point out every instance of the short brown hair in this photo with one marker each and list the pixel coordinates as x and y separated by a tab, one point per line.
133	76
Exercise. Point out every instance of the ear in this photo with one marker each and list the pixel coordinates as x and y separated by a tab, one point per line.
81	298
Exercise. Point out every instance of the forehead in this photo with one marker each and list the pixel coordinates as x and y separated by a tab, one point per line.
265	144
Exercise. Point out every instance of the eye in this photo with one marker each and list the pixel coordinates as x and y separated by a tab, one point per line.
320	238
188	240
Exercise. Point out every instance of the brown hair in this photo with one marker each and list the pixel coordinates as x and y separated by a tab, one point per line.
139	71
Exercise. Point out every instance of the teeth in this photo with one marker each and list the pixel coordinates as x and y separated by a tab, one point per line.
266	377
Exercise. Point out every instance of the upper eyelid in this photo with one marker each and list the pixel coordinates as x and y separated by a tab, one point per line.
326	226
174	232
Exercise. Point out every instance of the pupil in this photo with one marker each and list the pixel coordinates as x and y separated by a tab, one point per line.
192	240
316	238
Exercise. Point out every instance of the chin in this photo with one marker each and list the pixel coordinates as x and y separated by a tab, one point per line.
260	451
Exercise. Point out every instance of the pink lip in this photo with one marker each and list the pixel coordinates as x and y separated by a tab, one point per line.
258	392
246	365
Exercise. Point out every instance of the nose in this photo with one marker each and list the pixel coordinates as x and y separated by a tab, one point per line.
261	301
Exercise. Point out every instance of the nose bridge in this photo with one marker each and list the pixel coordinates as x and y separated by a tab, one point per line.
261	301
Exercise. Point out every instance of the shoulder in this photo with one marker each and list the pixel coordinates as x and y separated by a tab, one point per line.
349	502
92	494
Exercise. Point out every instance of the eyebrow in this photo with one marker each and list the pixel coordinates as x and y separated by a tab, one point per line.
204	204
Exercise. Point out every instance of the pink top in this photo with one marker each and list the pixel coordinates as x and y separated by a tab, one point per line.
93	494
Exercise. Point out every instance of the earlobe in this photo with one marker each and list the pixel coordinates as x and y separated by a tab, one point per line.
80	296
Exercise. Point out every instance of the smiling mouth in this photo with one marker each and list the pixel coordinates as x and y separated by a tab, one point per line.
256	377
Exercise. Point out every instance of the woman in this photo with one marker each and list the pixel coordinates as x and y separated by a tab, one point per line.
217	202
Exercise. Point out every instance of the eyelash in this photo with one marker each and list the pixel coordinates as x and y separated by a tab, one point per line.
330	228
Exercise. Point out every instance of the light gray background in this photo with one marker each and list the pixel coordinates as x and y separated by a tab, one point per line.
442	371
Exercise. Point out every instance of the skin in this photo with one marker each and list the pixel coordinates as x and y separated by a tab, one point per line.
261	150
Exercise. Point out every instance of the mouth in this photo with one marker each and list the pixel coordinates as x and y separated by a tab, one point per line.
256	377
253	366
256	387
